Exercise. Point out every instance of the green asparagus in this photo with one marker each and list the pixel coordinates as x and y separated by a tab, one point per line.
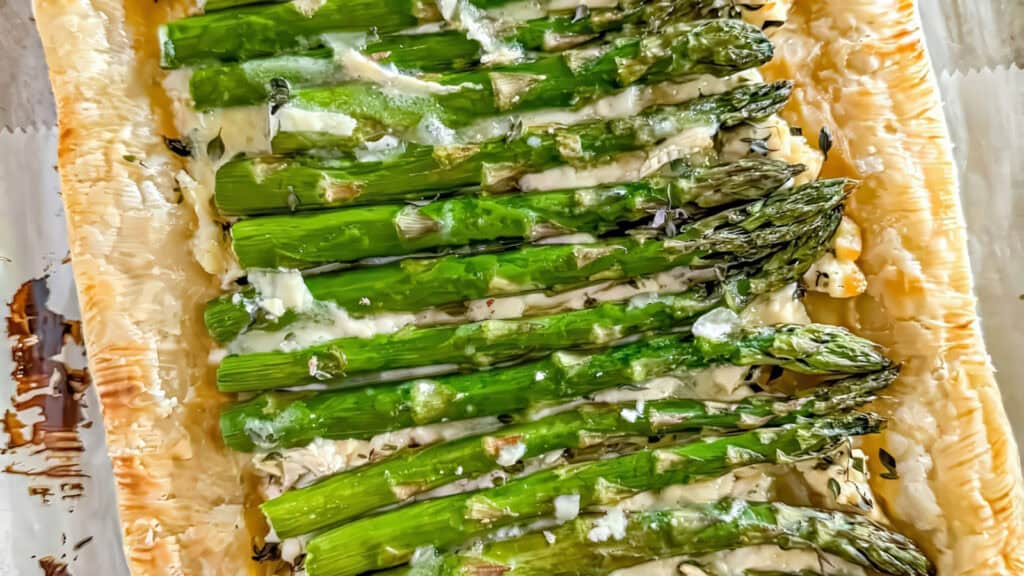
740	234
247	32
490	342
390	538
351	494
255	81
692	9
714	47
252	82
587	547
308	240
269	185
264	30
293	419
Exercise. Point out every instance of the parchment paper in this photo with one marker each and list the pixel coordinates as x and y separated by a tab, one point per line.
68	517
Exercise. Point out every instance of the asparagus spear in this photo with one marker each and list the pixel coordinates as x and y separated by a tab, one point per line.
307	240
268	29
715	47
390	538
352	494
493	341
251	82
248	32
294	419
580	548
268	185
254	81
692	8
410	285
720	241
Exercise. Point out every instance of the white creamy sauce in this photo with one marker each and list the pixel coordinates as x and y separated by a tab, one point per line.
627	167
716	325
281	290
579	238
567	507
381	149
754	483
358	67
293	119
780	307
241	130
298	467
495	477
483	27
308	7
329	322
611	526
738	562
727	383
625	104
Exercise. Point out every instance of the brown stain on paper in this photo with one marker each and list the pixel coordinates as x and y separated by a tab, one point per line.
53	567
47	391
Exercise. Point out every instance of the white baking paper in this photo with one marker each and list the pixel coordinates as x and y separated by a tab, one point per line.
46	522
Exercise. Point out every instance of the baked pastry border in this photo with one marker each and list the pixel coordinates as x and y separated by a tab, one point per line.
178	488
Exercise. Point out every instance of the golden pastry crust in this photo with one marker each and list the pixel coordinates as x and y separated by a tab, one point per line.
861	72
179	489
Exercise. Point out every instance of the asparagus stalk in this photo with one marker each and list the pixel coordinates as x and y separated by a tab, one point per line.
480	344
351	494
390	538
410	285
269	185
251	82
491	342
580	548
264	30
246	32
254	81
715	47
308	240
742	233
293	419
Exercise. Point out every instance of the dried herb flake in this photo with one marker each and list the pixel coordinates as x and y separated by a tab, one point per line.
215	148
889	462
178	146
824	141
835	488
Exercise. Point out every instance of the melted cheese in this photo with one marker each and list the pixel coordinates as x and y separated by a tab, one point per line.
240	130
329	322
358	67
783	306
624	104
625	168
296	467
293	119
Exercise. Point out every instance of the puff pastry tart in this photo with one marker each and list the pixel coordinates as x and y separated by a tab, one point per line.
528	287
